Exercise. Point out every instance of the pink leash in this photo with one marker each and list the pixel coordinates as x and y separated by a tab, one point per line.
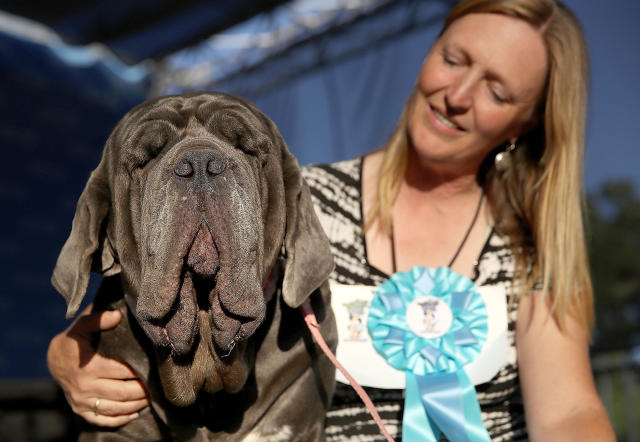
314	328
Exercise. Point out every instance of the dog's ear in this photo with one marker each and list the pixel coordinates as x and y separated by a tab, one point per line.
87	248
308	251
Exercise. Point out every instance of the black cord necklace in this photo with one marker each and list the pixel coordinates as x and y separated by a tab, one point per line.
455	255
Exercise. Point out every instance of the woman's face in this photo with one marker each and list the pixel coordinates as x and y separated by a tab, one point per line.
478	88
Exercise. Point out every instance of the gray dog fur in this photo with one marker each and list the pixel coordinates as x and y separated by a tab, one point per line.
195	202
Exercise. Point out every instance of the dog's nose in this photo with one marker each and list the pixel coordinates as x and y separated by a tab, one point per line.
200	164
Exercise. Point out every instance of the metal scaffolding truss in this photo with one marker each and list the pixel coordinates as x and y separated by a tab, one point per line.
297	37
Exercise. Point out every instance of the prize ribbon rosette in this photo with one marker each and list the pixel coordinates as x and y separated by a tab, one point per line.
430	323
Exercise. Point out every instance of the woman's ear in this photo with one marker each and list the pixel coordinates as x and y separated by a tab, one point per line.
525	127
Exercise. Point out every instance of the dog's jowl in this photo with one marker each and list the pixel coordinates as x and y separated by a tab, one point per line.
199	220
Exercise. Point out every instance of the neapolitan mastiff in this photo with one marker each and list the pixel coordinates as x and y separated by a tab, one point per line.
190	213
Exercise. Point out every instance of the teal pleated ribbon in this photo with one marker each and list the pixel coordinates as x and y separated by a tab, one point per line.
439	397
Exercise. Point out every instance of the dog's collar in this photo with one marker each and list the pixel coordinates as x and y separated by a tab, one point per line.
273	280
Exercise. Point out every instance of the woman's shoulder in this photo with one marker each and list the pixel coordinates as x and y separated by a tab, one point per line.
350	168
349	173
335	178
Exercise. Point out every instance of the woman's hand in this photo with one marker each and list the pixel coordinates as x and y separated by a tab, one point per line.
103	391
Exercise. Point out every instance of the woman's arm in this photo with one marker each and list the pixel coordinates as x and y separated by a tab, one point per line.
560	399
85	376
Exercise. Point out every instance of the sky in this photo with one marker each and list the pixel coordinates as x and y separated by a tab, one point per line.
613	118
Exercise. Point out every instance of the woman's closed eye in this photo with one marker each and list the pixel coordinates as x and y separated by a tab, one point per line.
450	58
498	94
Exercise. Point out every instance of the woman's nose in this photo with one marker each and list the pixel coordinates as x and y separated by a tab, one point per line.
459	95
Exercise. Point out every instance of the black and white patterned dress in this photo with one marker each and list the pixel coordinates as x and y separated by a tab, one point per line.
336	193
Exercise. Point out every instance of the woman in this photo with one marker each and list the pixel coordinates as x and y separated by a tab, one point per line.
483	175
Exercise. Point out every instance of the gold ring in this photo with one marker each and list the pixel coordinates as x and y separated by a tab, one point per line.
95	407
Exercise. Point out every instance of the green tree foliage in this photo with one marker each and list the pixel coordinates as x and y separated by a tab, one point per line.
614	242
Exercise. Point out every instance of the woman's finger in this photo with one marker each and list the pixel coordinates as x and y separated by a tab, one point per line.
107	368
119	390
108	421
106	407
94	322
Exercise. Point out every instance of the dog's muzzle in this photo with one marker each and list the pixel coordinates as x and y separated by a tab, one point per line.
202	256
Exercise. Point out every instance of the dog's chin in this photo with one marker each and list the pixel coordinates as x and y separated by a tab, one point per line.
194	361
184	377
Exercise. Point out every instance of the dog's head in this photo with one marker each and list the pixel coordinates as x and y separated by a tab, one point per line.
193	201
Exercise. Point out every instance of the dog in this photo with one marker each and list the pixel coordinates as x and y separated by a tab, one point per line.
204	230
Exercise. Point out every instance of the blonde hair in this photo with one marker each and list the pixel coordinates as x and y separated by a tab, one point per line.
538	203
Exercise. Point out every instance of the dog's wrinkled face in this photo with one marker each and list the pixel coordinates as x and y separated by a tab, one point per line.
196	174
193	200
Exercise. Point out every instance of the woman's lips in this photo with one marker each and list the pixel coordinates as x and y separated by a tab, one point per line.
442	123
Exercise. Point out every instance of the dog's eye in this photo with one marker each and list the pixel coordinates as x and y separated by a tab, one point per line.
254	143
249	148
245	149
256	152
146	143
